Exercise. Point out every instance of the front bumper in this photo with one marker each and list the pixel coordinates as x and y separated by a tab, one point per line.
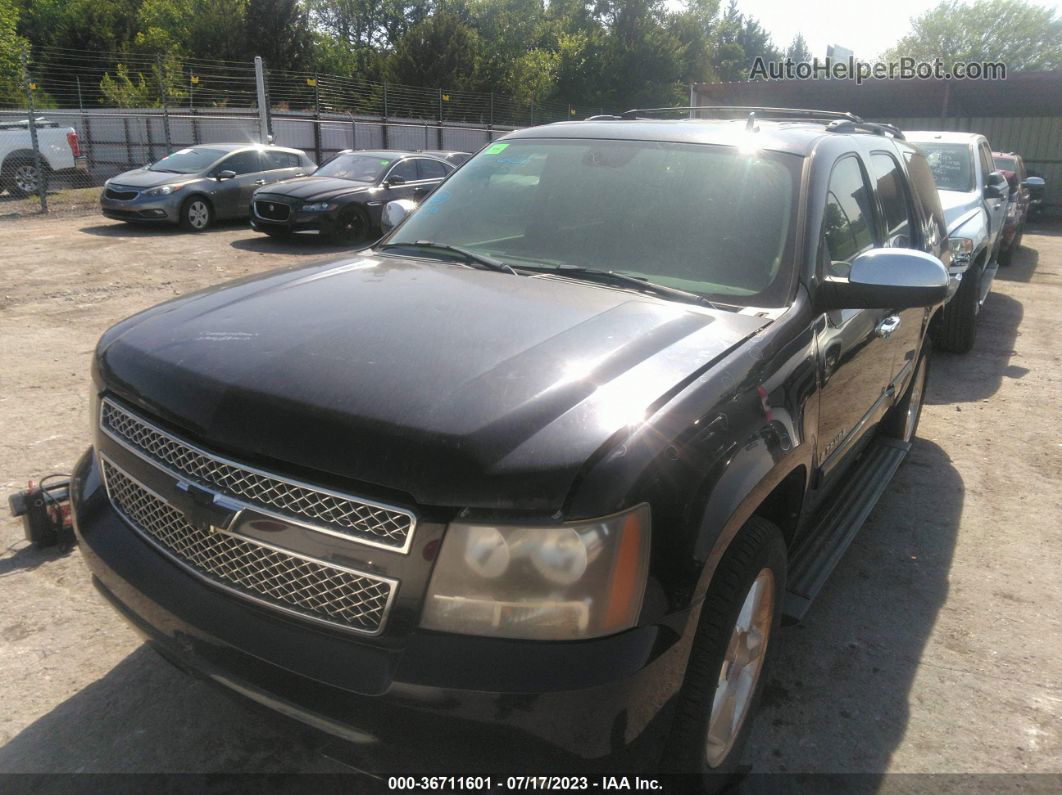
420	702
296	221
163	209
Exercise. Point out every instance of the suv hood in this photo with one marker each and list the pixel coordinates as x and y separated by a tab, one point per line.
957	205
316	188
145	178
454	386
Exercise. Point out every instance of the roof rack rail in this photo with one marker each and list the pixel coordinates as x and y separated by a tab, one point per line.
744	110
878	128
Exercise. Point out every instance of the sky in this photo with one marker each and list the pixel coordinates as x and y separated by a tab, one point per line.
867	28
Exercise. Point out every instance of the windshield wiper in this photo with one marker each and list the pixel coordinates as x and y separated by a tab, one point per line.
470	257
627	280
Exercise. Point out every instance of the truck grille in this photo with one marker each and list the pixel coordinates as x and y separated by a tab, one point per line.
272	211
291	583
338	514
121	194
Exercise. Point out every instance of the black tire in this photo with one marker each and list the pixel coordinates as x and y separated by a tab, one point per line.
197	214
957	327
353	226
757	548
21	175
902	420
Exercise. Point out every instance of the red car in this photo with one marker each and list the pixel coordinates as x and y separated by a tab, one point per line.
1013	168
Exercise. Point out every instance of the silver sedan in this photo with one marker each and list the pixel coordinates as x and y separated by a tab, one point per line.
196	186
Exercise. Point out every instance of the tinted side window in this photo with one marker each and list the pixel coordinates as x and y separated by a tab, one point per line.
893	194
432	169
847	226
280	160
241	163
925	191
407	170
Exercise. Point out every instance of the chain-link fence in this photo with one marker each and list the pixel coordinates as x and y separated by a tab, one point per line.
88	116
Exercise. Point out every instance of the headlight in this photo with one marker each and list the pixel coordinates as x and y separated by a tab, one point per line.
319	207
164	190
565	582
961	250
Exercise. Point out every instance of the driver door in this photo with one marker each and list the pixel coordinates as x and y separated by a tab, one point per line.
232	197
855	359
406	172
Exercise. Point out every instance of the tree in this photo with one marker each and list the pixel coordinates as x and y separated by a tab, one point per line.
798	51
121	91
1023	35
736	42
437	52
279	31
11	45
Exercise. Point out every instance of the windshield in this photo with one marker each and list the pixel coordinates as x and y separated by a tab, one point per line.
187	161
360	168
1005	163
952	165
711	220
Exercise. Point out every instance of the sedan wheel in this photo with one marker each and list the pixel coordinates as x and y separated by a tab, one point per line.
196	215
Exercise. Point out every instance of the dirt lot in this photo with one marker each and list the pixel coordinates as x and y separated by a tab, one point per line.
936	647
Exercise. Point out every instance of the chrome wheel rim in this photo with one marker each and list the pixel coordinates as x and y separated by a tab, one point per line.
27	178
355	227
198	214
740	671
914	405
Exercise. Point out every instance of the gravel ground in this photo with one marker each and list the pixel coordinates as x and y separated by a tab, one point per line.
936	646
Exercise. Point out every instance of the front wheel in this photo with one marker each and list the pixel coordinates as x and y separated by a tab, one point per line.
727	668
957	327
902	421
23	176
196	214
352	227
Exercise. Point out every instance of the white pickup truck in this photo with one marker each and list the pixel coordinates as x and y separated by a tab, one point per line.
20	172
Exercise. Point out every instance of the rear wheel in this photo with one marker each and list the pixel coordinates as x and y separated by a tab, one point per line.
957	327
727	669
196	214
23	176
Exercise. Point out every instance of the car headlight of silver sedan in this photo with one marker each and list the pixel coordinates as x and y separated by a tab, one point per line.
162	190
319	207
569	581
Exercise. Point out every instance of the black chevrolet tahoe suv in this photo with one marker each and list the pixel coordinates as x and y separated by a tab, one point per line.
530	484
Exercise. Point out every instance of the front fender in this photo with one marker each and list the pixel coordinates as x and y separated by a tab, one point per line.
974	226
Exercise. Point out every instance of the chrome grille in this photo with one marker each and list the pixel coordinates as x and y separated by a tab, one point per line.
352	518
292	583
272	211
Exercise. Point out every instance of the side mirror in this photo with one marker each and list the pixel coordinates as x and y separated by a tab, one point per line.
225	175
994	192
395	181
887	278
395	213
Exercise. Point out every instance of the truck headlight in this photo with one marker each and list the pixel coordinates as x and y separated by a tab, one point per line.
565	582
162	190
961	250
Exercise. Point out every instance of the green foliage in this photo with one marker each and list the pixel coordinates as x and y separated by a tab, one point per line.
798	51
438	51
122	91
11	45
1023	35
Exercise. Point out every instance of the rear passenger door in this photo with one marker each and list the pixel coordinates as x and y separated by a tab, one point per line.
855	358
279	165
901	228
430	173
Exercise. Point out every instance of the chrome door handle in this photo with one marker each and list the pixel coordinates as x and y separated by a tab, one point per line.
259	182
887	326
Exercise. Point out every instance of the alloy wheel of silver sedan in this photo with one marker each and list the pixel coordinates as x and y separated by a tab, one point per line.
740	671
197	214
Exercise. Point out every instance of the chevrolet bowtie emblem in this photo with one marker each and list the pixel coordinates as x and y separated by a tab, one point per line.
204	509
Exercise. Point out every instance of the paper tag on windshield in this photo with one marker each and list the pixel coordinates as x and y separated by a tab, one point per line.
495	149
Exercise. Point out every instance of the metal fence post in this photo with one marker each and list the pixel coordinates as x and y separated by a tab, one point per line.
165	105
86	124
385	135
316	118
263	107
490	123
532	111
439	133
31	117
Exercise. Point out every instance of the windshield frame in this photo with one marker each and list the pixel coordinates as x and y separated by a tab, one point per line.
778	294
219	154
